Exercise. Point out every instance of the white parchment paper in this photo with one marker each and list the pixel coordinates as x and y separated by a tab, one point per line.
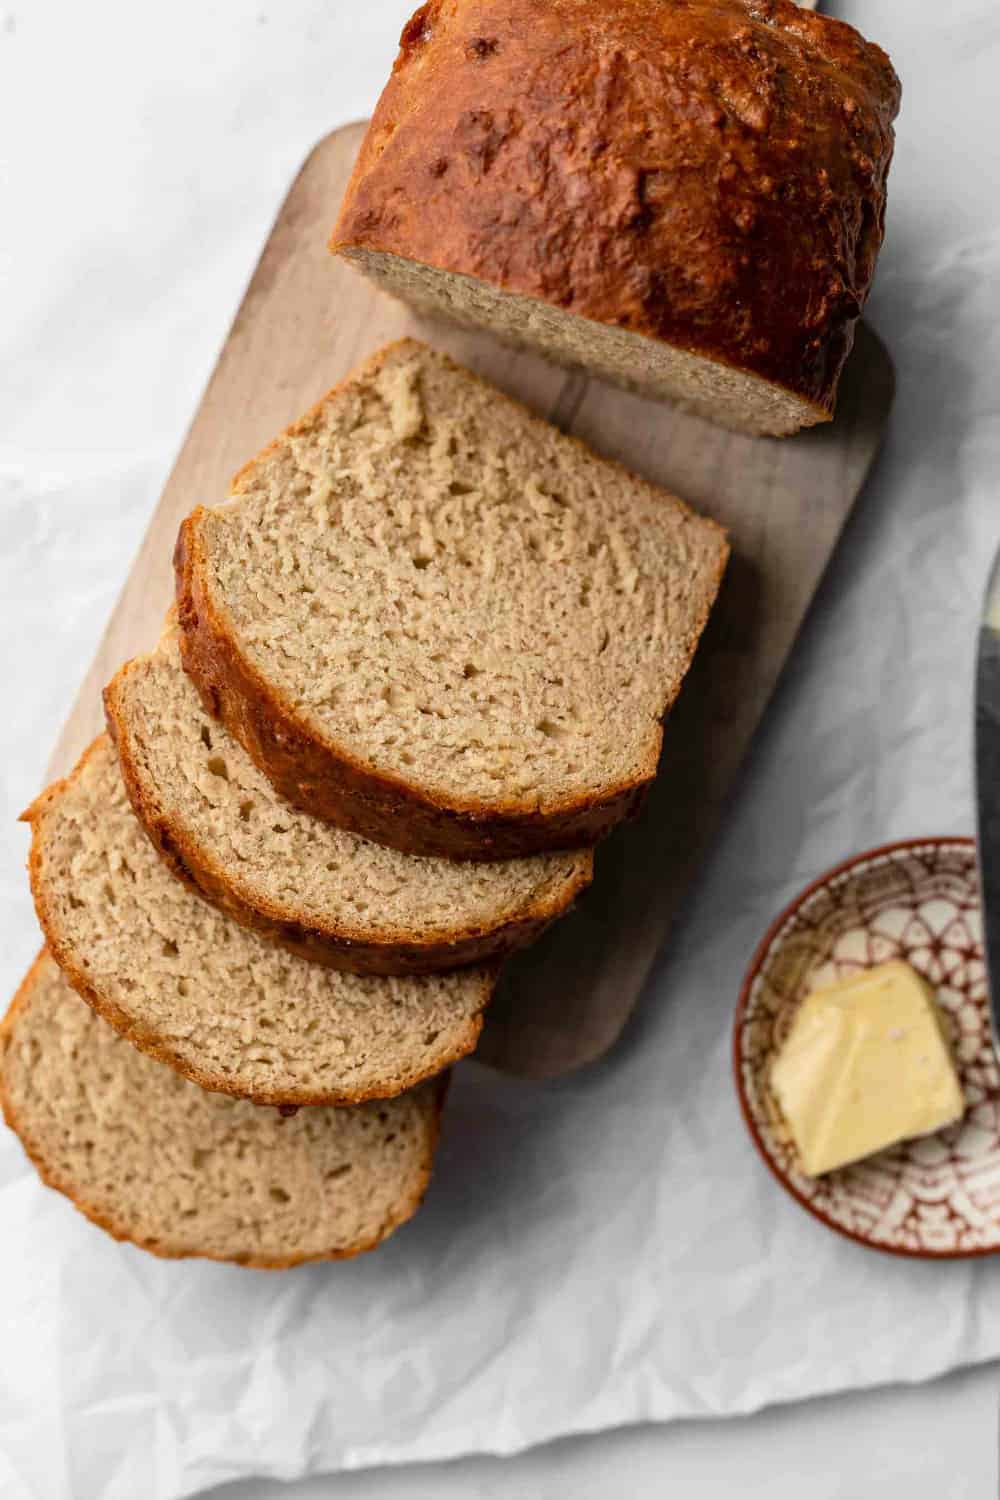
597	1251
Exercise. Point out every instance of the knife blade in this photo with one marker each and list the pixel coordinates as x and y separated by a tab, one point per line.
988	786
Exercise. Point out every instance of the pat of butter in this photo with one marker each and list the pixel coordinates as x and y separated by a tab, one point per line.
866	1064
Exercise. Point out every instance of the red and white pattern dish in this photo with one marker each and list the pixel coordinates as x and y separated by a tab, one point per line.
937	1197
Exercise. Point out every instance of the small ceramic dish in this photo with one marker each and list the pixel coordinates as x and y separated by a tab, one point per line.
937	1197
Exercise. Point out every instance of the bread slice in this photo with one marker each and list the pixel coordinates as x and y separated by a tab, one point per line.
433	619
687	199
153	1159
190	987
315	889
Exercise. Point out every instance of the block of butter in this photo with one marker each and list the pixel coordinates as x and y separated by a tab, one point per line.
866	1064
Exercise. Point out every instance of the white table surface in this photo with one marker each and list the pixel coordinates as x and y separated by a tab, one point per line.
145	150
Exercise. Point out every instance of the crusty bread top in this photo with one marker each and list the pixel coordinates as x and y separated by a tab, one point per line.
219	1004
217	818
450	594
158	1161
707	172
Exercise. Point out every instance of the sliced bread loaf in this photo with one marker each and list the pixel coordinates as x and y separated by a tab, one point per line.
433	619
684	196
153	1159
315	889
195	990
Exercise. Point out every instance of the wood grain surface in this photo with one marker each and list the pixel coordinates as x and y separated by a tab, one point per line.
304	322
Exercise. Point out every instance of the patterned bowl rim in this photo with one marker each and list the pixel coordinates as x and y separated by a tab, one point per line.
764	947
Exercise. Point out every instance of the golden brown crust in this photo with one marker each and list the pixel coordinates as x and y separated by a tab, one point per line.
124	1234
334	946
153	1045
325	779
708	173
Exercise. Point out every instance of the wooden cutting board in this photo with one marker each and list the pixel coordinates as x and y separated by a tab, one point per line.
304	322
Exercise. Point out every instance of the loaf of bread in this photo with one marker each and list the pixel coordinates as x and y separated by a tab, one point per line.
317	890
218	1003
685	196
434	620
153	1159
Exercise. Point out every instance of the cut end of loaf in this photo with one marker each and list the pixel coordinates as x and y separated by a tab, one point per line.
651	367
154	1160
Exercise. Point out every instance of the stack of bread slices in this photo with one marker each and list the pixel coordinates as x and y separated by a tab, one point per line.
417	667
